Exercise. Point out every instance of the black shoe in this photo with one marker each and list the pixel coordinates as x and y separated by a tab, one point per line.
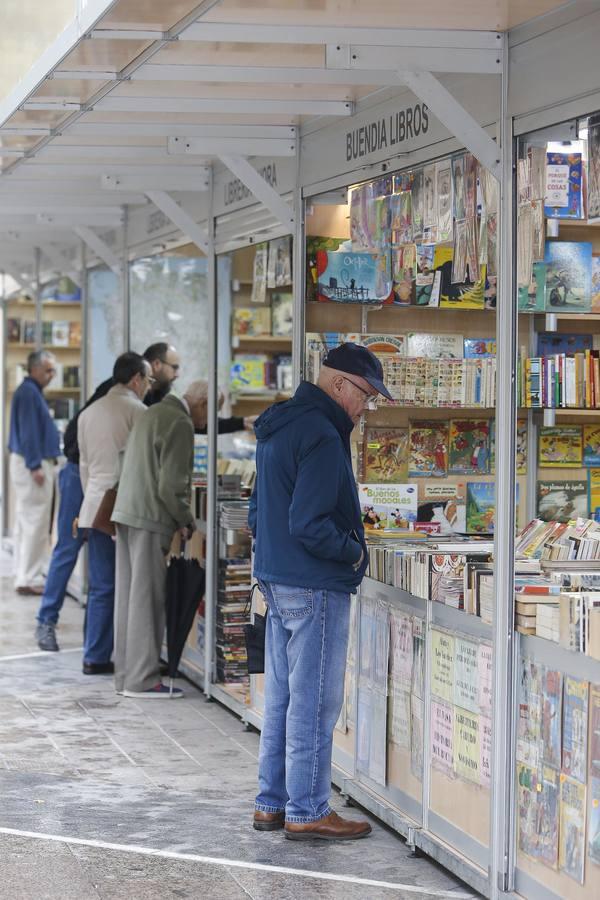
98	668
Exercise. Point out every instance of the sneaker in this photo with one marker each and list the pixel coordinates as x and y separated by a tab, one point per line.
159	691
45	635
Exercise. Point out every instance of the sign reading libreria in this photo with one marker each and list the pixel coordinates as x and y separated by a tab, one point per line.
386	132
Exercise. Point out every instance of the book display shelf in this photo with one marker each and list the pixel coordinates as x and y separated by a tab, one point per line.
406	265
557	767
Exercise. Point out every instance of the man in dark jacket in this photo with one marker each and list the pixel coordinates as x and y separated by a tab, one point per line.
310	555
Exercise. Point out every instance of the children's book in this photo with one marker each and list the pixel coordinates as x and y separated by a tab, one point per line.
424	284
481	507
550	342
594	500
404	273
571	858
314	243
551	717
532	296
564	188
401	217
428	450
469	446
479	348
60	334
248	372
282	314
388	507
575	729
568	276
28	335
75	334
386	455
348	277
382	345
591	445
547	817
442	509
458	186
596	284
434	346
251	321
279	270
594	826
521	447
13	331
560	447
559	501
443	177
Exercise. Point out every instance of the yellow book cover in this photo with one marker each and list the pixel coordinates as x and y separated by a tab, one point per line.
594	491
560	447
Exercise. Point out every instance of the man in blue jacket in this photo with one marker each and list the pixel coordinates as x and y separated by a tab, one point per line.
34	446
310	555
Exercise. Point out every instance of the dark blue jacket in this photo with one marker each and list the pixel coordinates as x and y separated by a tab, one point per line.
33	433
304	513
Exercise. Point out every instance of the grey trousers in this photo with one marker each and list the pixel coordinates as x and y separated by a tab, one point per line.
139	608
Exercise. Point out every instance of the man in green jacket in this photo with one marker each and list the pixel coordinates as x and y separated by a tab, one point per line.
153	502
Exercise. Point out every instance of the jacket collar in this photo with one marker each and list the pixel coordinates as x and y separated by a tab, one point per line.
34	383
312	395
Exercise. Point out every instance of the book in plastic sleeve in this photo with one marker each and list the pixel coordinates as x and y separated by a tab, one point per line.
388	507
568	276
428	449
560	447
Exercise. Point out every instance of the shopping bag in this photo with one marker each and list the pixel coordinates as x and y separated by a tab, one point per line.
254	635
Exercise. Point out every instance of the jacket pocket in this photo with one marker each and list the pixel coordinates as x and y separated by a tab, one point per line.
292	602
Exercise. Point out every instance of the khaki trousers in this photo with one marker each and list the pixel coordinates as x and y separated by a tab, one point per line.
33	505
139	608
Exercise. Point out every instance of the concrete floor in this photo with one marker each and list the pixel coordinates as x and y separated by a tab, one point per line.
112	798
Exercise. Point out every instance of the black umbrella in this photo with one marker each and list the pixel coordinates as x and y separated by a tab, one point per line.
186	580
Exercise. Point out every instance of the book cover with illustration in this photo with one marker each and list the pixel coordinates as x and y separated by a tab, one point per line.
560	447
434	346
248	372
446	579
251	321
386	455
469	446
560	501
575	729
318	344
428	450
532	296
571	857
382	345
282	316
594	826
404	274
314	243
550	342
521	447
568	276
13	331
401	229
591	445
279	267
479	348
442	509
425	295
348	277
595	284
75	334
563	190
388	507
29	332
594	500
552	686
481	507
60	334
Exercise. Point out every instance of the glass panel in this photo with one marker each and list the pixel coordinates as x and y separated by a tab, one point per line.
105	337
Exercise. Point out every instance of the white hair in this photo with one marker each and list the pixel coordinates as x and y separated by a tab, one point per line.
197	392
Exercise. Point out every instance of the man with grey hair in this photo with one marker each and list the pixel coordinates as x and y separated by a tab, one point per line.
34	446
153	502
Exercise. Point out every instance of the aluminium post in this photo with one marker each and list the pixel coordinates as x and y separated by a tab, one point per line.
212	524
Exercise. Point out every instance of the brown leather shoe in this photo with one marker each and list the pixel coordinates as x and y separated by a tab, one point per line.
330	828
33	590
266	821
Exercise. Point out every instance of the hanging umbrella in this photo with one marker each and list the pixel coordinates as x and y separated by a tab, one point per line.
186	580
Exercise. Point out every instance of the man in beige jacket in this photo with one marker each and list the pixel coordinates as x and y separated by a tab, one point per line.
102	432
153	503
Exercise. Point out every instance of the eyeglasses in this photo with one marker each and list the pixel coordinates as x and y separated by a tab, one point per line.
370	399
174	366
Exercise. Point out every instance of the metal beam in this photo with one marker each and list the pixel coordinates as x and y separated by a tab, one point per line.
166	129
50	170
180	218
100	247
178	180
56	104
261	74
262	190
240	105
85	151
296	33
431	59
12	206
26	130
184	146
128	34
83	75
88	218
454	117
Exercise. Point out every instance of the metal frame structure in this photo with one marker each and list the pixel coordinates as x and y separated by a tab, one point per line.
154	133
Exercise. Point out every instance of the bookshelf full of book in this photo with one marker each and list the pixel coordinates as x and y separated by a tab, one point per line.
557	608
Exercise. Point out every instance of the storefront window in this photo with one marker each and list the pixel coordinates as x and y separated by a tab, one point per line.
105	334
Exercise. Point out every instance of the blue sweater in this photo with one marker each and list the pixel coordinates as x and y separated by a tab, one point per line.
304	512
33	434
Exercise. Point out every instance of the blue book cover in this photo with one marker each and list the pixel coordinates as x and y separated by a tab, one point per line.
568	276
481	507
550	342
479	348
348	277
563	186
532	296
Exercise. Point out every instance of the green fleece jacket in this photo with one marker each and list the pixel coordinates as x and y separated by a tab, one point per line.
155	484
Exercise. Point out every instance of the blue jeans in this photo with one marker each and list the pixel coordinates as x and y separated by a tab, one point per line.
305	661
98	640
66	549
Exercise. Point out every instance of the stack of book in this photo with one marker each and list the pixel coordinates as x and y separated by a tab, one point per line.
232	598
449	383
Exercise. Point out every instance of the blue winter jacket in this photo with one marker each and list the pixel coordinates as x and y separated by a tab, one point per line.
33	434
304	512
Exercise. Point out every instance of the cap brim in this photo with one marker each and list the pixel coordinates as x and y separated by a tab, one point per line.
378	385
